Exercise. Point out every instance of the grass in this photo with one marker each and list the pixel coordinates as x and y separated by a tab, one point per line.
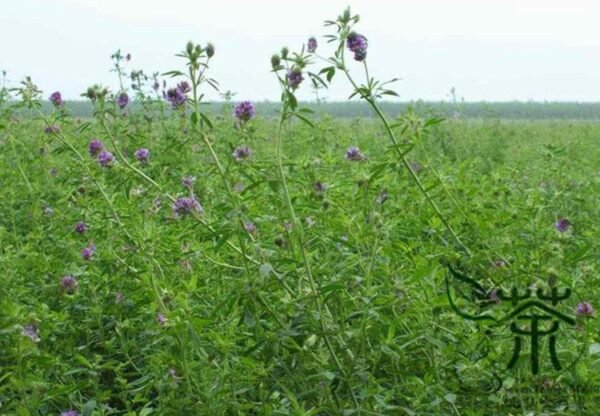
243	334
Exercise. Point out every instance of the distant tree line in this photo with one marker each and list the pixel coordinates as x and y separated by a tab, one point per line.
349	109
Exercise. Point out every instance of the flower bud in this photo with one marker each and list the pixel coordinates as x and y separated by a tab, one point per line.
275	61
210	50
346	16
189	48
284	52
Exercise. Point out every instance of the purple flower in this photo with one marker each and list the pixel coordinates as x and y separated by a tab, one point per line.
105	158
69	284
358	45
500	263
494	296
175	96
311	45
122	100
52	129
354	154
239	187
56	99
183	206
48	211
320	187
241	153
562	225
95	146
188	181
415	166
80	227
294	78
250	227
31	331
184	87
119	297
128	57
244	111
161	319
142	155
585	309
69	413
156	86
88	252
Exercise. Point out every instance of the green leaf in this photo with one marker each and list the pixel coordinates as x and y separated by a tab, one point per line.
88	408
389	92
205	118
594	349
174	74
304	119
194	118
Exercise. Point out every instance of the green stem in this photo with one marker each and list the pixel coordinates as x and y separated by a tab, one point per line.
405	162
298	227
81	160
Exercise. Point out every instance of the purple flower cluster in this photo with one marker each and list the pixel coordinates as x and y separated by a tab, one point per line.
142	155
354	154
357	45
69	284
52	129
122	100
294	78
320	187
88	252
250	227
31	331
105	158
80	227
185	205
311	45
188	181
585	309
244	111
177	96
95	147
161	319
241	153
562	225
494	296
69	413
56	99
184	87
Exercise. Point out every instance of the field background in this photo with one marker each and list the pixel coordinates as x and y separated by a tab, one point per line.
245	339
516	110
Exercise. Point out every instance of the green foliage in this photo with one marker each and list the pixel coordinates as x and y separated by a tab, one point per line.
245	337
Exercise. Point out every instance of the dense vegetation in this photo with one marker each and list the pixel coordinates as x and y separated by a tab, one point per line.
172	260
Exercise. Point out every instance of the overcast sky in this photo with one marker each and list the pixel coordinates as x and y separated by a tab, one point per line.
494	50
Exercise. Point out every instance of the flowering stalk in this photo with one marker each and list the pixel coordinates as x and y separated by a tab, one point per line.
370	92
160	189
198	58
289	84
30	95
